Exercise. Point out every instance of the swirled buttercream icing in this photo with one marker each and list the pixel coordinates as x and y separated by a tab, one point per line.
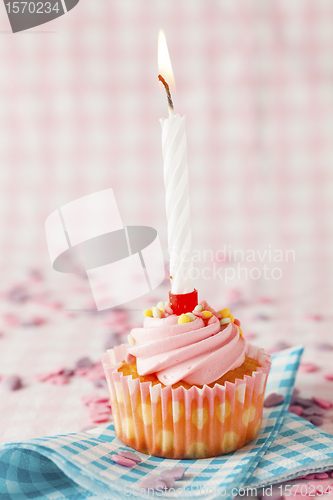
198	352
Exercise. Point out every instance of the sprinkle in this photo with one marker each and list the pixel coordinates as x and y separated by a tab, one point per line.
329	376
265	300
120	460
169	481
315	420
298	410
81	372
313	410
130	339
99	418
305	403
199	314
130	455
167	308
240	331
148	313
175	472
203	303
225	321
18	294
237	322
93	398
191	316
44	377
312	317
156	312
280	346
84	363
207	314
262	317
273	400
232	318
100	407
308	367
323	403
224	313
183	318
250	336
58	380
10	319
152	482
129	358
12	383
38	321
101	382
322	475
111	341
325	346
198	308
160	306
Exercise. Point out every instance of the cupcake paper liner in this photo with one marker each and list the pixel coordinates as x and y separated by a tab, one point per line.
186	423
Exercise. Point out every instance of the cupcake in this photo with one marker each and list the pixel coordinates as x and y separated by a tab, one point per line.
187	385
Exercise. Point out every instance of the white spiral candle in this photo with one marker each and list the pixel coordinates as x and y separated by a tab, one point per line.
177	202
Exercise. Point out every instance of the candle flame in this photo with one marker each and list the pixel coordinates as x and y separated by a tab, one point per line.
164	63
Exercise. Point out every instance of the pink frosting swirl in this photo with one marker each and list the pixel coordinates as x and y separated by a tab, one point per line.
192	352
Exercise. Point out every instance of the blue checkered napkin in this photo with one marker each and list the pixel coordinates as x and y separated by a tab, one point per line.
299	449
77	466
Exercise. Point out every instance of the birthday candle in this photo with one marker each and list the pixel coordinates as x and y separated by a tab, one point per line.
176	180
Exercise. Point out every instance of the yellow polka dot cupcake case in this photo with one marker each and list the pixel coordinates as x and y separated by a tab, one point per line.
187	385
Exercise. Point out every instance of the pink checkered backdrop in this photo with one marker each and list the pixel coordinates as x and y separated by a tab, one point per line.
81	105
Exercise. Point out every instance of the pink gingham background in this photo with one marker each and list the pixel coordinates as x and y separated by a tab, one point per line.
80	106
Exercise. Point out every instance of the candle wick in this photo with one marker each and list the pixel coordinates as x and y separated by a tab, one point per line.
167	89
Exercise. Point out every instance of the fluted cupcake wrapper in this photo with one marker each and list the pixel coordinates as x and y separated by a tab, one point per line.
186	423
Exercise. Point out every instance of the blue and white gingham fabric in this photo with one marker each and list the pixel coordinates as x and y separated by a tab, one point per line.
77	466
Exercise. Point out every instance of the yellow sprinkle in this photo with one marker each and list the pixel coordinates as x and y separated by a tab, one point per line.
224	313
207	314
240	331
231	317
148	312
183	318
